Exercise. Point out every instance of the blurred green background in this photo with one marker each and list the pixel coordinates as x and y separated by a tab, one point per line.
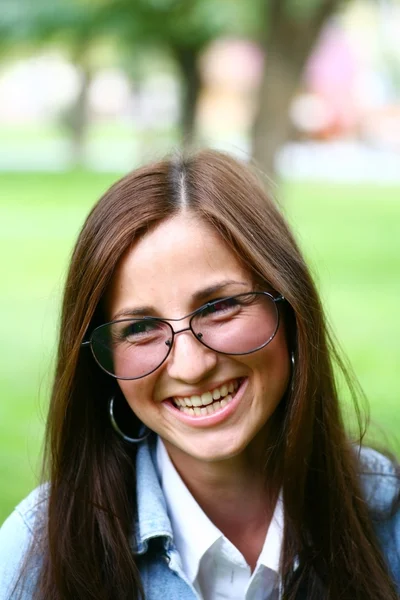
89	89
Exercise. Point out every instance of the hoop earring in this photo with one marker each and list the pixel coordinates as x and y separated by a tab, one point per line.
293	361
115	426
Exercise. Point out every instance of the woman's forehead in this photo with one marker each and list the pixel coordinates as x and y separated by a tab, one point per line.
176	261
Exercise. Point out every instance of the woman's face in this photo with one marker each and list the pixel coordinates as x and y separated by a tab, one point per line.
167	272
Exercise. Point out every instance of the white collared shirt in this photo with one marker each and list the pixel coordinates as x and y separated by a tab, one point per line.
212	564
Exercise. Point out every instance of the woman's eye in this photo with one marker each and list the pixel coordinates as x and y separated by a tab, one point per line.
225	304
220	306
139	328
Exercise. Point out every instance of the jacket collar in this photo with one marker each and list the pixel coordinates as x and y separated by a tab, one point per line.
152	519
378	480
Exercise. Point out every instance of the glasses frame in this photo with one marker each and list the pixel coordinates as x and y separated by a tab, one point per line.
191	315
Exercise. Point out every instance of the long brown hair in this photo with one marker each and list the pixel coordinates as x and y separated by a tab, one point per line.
86	548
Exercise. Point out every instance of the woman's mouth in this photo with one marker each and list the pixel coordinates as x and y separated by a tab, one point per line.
209	402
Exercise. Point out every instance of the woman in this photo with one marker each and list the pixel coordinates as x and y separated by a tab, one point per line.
195	446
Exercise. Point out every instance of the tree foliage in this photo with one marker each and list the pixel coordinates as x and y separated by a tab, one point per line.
192	23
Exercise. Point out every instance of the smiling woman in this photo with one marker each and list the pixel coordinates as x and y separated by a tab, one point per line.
195	446
179	261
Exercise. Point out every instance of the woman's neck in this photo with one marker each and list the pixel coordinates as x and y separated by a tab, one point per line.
233	494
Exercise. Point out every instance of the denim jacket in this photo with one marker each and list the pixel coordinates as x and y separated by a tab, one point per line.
158	560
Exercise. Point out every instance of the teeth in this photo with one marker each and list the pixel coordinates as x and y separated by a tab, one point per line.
207	398
206	410
216	394
193	401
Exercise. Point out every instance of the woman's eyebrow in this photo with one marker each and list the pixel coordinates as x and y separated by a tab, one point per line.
197	297
202	295
139	311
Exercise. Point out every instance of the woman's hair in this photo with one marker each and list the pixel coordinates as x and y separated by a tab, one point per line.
86	549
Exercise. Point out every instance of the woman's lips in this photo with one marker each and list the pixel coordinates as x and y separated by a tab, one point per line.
218	412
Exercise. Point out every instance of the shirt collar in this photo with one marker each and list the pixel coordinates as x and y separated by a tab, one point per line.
271	552
194	533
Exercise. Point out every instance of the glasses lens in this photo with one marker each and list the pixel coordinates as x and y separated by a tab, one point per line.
237	325
131	348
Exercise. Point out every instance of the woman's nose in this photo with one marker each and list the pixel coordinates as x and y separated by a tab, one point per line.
189	359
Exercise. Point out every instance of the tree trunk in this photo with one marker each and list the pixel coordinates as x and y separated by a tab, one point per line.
187	59
272	124
287	44
79	118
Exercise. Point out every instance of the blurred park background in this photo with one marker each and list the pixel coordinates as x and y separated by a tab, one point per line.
308	90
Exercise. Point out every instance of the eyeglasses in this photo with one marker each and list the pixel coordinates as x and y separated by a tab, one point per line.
236	325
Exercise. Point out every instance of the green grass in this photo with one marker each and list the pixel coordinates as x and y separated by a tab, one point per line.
350	235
